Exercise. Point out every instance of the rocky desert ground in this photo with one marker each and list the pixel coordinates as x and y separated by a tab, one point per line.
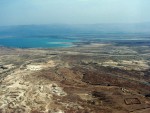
98	78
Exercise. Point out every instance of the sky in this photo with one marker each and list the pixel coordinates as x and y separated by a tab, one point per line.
25	12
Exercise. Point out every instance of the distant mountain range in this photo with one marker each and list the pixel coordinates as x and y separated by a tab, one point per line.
40	30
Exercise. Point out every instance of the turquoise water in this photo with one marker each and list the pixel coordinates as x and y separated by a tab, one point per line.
36	42
68	41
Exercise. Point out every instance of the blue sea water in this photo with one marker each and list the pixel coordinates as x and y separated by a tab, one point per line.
41	42
59	41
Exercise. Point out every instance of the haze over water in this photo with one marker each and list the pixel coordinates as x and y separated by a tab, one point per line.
92	20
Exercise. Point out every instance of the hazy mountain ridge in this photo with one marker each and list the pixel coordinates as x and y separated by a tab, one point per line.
33	30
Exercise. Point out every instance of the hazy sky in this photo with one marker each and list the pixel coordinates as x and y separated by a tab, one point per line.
14	12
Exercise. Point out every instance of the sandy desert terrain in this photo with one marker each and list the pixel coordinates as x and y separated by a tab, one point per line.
98	78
